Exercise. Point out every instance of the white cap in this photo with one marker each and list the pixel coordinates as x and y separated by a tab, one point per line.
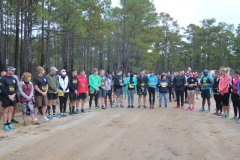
53	68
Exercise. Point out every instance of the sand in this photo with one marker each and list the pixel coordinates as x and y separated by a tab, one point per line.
126	134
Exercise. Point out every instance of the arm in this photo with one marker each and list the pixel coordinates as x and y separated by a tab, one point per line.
3	90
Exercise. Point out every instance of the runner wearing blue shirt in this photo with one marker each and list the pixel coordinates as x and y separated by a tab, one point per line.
152	84
206	84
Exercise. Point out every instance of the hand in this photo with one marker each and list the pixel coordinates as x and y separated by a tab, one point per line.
76	92
96	88
44	93
12	97
64	91
29	99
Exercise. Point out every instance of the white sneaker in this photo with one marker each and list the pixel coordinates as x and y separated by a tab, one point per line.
45	119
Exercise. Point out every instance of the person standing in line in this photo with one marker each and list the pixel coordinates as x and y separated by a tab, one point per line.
41	87
73	93
17	100
26	97
109	91
94	83
152	84
3	73
63	91
52	94
179	85
131	83
191	87
118	85
170	80
206	84
142	84
235	96
224	90
217	96
102	89
163	84
9	88
82	91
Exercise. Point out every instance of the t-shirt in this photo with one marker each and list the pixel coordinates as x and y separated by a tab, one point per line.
142	81
41	82
190	81
118	81
9	85
206	82
103	80
73	84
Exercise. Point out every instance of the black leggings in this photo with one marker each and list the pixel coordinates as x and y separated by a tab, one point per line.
180	94
170	93
95	95
151	92
236	104
217	98
63	102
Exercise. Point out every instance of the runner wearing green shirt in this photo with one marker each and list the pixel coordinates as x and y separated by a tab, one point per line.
94	84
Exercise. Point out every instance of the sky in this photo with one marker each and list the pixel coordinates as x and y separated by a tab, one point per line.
193	11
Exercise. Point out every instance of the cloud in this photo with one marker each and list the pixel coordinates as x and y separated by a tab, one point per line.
193	11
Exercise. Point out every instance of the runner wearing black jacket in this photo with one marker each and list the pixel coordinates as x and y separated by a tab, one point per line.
179	85
142	84
217	96
73	94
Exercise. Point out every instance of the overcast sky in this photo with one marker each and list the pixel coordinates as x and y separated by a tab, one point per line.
193	11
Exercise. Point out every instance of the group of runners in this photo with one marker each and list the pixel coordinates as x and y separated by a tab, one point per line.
39	95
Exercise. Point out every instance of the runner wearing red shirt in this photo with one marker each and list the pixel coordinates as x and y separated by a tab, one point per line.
82	91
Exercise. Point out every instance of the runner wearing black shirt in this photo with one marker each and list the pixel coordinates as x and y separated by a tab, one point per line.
142	84
41	87
191	88
118	83
9	88
73	94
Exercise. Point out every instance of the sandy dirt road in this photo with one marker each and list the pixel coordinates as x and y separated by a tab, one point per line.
126	134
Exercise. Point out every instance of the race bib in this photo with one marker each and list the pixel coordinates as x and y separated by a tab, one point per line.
151	84
164	85
120	81
11	89
74	82
142	84
131	86
60	94
43	88
83	85
102	84
91	92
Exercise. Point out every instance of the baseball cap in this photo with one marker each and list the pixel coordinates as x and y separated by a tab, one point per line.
205	71
10	68
53	68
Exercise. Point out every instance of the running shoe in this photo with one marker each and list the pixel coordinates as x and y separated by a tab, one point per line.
45	119
160	106
6	128
177	107
215	114
132	106
70	113
49	117
14	121
77	111
234	119
139	106
83	110
90	110
193	108
36	123
121	106
208	111
10	126
188	109
238	121
98	109
128	106
202	110
227	116
145	106
182	107
25	123
165	106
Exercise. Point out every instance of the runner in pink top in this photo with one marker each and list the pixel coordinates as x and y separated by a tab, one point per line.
235	96
224	85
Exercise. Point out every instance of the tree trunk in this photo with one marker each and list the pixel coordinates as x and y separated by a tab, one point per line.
17	35
2	60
